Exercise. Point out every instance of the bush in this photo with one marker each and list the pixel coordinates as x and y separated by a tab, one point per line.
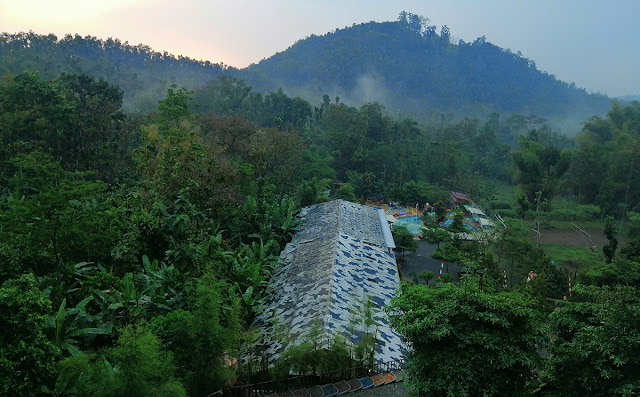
507	213
500	205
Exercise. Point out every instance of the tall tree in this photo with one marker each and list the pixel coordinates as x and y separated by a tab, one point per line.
26	356
468	344
596	349
404	239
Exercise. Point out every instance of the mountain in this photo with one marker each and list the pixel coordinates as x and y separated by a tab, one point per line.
143	74
626	99
412	69
404	65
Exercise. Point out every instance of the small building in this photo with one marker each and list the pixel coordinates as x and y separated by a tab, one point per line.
341	258
458	199
480	217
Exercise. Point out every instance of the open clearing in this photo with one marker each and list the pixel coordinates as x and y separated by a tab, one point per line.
571	238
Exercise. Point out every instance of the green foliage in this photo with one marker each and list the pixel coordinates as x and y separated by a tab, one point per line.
425	276
346	192
473	344
596	347
481	269
404	239
201	339
440	210
520	256
447	252
174	108
617	273
209	188
457	226
609	250
436	235
52	215
421	69
603	170
26	355
313	355
144	74
76	118
538	168
421	192
65	327
310	192
276	156
136	366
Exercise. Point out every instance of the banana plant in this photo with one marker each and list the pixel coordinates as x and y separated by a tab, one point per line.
253	266
160	285
65	327
157	288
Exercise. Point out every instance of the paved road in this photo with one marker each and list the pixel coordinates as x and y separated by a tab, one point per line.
421	260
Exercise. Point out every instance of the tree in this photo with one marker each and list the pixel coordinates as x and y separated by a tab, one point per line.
136	366
596	349
404	239
95	138
467	344
174	108
538	168
440	210
621	271
436	235
457	226
26	356
52	215
173	161
276	156
202	338
223	96
425	276
448	253
33	113
346	192
609	250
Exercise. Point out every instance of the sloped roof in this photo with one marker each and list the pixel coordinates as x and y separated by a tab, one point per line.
460	196
473	209
485	222
339	260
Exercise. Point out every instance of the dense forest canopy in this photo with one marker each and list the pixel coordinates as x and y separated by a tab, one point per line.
411	68
143	74
406	65
137	241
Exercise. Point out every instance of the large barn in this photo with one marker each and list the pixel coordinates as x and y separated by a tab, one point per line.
341	258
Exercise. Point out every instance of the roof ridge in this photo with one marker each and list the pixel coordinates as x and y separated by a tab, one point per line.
334	255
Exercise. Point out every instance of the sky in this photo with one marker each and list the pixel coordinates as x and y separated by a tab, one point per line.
592	43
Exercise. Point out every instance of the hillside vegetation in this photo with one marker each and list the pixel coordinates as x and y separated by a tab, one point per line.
405	65
141	222
410	68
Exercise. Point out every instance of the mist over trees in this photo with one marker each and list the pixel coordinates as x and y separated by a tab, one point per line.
408	66
141	220
412	68
142	73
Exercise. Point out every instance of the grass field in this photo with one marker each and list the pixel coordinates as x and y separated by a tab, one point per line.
570	256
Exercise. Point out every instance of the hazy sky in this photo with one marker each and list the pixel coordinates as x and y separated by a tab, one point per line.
594	43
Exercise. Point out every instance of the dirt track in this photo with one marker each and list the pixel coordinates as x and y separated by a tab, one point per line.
571	238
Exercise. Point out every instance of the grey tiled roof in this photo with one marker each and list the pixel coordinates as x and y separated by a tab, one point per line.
340	259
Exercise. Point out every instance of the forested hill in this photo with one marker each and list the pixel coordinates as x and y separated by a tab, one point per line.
143	74
405	65
409	67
